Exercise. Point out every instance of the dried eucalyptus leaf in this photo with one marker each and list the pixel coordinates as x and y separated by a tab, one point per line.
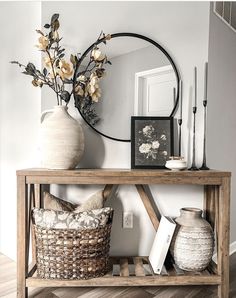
26	73
60	51
34	82
50	36
73	59
40	32
45	71
55	25
54	17
31	66
65	95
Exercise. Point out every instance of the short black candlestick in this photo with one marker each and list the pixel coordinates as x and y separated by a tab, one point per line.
204	167
193	166
180	125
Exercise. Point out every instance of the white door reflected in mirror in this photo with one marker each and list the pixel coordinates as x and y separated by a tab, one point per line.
154	94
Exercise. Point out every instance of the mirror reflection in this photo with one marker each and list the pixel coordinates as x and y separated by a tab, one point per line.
140	81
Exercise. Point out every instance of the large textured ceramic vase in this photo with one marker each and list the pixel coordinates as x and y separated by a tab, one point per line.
62	140
193	242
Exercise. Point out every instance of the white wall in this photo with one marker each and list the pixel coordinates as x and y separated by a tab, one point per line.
222	104
19	109
181	28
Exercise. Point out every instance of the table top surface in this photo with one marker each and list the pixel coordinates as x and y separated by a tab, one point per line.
121	172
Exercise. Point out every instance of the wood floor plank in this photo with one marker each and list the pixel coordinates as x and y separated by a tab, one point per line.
8	287
71	292
103	293
135	293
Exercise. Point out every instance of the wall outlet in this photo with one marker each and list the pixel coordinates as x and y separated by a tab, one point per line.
127	220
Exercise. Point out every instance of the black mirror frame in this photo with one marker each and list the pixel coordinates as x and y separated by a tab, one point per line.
141	37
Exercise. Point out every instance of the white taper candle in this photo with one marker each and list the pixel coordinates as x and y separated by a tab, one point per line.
174	95
205	81
195	86
181	97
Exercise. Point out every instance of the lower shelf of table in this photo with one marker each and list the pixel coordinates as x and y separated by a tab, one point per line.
134	271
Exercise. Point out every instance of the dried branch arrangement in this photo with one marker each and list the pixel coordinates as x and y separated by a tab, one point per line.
64	76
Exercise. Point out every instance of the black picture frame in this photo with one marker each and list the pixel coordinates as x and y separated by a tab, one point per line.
152	141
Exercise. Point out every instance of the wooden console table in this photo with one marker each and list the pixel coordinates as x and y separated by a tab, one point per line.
216	205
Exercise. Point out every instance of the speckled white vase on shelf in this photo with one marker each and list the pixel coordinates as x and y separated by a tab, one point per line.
193	241
61	140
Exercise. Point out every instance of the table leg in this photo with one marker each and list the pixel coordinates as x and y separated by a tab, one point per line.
31	230
210	198
37	195
22	266
223	238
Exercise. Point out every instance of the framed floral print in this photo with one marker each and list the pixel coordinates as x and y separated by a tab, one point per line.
151	142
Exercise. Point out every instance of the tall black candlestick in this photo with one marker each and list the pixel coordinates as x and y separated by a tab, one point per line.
180	117
180	135
204	167
193	166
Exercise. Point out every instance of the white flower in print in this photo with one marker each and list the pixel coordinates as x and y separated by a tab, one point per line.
163	137
147	130
145	148
155	145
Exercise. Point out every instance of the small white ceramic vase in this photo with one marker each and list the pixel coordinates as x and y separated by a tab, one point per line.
176	165
193	241
61	140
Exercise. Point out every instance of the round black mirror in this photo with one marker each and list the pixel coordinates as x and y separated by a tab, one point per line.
142	80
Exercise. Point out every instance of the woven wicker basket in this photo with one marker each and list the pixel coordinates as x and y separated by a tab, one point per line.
72	254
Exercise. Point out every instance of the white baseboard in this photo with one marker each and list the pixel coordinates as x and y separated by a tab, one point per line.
232	249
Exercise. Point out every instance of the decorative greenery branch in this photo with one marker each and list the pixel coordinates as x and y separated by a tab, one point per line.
86	82
64	77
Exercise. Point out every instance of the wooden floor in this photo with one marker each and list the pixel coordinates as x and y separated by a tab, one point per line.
8	287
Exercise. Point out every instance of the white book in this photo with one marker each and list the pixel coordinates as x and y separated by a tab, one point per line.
161	243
